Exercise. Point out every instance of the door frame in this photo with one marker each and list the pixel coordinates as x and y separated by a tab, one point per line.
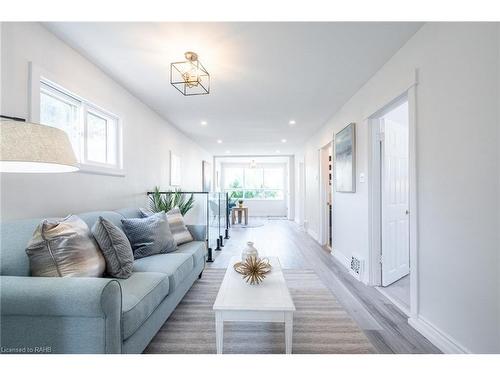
374	195
301	193
323	192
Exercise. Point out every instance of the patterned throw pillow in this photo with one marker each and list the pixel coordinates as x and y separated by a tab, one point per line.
176	222
115	247
150	235
64	248
177	226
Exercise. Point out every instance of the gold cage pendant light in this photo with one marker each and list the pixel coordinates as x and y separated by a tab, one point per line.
190	77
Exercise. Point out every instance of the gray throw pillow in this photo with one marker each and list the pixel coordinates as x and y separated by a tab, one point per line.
115	247
176	223
64	248
150	235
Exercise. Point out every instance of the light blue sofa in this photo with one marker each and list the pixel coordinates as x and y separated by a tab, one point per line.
90	315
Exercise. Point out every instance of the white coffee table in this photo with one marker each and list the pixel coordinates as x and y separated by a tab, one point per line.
238	301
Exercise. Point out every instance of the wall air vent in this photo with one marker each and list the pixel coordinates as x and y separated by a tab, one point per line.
357	266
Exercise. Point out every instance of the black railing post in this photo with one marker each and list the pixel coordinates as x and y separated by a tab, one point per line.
221	241
227	217
210	259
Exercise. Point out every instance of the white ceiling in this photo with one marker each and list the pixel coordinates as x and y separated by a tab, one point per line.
262	74
257	159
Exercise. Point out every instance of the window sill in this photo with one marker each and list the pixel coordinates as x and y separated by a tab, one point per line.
92	169
261	200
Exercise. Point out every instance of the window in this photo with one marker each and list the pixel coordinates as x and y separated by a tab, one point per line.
255	183
93	132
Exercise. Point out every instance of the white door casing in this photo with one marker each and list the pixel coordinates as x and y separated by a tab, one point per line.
395	201
301	193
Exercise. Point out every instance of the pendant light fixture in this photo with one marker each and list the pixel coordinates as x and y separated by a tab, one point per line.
32	148
190	77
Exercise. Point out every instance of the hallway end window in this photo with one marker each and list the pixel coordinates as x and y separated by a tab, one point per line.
255	183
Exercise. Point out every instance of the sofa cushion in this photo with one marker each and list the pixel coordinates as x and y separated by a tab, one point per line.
177	266
129	212
197	249
14	236
91	217
142	292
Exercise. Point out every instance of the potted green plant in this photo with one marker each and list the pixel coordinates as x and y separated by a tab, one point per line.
240	203
232	200
164	202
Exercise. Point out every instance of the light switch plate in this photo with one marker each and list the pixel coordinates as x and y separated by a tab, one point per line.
361	178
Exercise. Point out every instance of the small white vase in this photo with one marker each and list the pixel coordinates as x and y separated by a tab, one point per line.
249	251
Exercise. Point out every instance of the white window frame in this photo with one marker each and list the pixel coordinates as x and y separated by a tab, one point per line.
42	81
91	109
263	189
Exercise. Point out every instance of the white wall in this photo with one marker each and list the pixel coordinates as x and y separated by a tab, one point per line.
147	138
457	166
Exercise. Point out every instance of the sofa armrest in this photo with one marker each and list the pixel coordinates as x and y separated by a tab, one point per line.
198	231
59	296
75	307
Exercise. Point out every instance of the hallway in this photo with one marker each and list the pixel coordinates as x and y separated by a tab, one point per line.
385	326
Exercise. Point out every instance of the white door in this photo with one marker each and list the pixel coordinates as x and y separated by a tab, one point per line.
395	195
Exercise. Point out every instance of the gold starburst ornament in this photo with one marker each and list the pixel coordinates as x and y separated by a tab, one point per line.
253	269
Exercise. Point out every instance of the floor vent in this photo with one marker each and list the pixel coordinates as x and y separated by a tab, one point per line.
356	267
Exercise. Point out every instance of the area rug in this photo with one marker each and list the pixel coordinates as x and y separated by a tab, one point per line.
321	325
251	224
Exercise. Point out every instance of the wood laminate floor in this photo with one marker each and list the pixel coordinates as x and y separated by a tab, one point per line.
400	291
383	323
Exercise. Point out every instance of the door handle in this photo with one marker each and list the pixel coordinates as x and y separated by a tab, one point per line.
407	212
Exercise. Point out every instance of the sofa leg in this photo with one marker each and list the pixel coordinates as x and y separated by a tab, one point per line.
199	276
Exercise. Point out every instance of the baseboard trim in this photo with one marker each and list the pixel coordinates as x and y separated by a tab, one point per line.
342	259
440	339
313	234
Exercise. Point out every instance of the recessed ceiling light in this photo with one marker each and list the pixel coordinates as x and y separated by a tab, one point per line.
291	122
219	141
228	152
278	151
283	140
204	123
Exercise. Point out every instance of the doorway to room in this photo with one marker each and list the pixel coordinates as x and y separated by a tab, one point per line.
391	187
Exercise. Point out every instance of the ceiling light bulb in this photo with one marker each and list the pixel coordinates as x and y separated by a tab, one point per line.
292	122
228	152
204	123
191	74
283	140
278	151
190	70
219	141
